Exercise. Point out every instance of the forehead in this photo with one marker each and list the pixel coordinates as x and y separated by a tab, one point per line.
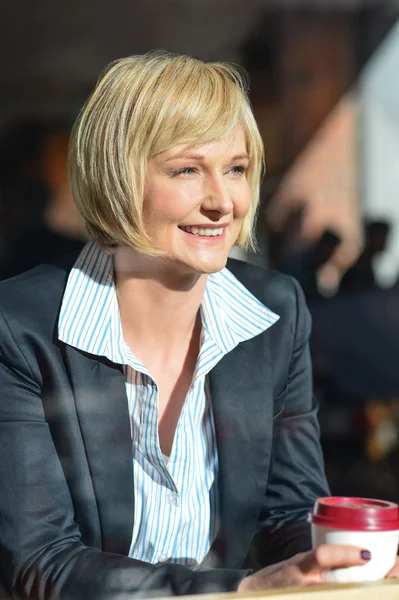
234	143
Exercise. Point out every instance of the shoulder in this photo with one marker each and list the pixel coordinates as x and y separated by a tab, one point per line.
33	299
283	295
279	292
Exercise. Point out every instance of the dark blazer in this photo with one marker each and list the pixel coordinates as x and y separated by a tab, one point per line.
66	489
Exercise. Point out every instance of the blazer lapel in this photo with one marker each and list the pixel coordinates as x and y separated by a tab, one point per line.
102	407
242	401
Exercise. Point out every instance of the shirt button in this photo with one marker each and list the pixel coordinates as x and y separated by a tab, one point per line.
172	498
162	558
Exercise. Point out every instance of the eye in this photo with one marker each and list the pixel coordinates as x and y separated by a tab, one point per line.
239	170
185	171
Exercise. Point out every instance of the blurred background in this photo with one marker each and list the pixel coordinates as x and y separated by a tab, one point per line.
324	81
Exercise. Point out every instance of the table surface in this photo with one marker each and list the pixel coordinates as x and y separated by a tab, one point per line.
381	590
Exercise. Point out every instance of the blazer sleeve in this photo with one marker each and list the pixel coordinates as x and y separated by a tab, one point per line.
296	476
41	553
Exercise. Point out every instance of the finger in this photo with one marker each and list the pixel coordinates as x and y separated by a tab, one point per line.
334	556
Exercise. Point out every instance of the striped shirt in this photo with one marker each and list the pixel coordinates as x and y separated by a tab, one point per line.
176	512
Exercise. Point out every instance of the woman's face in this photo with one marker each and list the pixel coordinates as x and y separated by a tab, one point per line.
196	199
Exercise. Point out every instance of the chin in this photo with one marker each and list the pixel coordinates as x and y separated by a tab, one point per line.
211	266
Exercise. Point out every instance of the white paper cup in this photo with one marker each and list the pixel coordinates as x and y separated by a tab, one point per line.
369	524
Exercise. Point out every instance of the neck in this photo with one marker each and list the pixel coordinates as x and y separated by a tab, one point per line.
158	305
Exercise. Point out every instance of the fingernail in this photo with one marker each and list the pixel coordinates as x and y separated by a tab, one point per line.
365	554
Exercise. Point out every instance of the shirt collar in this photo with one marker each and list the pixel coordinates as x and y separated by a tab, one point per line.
89	317
231	314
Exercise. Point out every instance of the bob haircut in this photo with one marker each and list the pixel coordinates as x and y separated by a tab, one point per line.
140	107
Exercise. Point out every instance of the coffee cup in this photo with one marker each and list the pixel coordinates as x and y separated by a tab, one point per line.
371	525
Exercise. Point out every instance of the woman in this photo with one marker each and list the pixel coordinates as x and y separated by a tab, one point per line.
157	428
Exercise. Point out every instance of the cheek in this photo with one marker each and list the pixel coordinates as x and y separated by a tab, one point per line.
167	204
242	203
157	209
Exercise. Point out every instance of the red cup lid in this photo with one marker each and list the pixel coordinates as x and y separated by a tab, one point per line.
355	514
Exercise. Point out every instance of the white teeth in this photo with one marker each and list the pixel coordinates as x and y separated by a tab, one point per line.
204	231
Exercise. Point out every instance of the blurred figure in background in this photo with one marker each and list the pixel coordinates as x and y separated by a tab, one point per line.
302	259
39	220
360	277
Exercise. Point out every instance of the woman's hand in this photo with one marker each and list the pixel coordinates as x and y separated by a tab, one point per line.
306	568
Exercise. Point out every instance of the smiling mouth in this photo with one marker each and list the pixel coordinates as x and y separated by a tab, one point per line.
204	231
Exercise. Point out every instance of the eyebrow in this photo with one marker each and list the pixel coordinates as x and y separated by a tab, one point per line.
202	157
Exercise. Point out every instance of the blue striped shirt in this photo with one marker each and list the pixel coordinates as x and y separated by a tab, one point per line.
176	513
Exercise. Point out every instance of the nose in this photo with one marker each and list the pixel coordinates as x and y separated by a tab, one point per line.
217	195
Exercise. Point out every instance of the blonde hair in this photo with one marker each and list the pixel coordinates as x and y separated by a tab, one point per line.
140	107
